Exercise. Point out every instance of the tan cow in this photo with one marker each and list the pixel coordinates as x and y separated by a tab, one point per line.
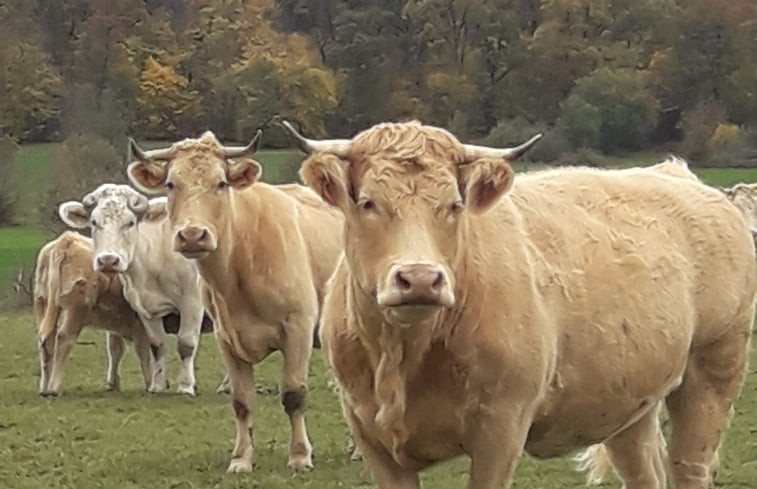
265	254
69	294
469	319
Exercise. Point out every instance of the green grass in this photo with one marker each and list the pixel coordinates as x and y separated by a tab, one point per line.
96	439
18	249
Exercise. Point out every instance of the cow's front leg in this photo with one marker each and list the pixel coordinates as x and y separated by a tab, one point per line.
296	348
186	345
242	381
157	337
495	446
142	348
116	349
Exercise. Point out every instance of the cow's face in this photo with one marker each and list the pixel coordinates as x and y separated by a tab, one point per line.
407	192
198	177
744	197
113	216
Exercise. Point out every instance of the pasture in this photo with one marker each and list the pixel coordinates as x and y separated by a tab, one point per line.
92	438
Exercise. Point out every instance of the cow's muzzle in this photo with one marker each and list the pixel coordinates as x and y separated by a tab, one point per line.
416	284
194	241
109	263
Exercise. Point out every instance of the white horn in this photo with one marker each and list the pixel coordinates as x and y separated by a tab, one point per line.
239	151
473	152
153	154
339	147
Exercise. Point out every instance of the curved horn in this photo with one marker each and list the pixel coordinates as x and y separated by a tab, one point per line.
339	147
138	204
239	151
153	154
473	152
89	201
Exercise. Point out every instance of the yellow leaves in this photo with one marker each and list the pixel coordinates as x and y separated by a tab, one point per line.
725	133
164	98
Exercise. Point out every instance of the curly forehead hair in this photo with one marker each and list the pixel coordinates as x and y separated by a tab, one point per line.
207	142
408	141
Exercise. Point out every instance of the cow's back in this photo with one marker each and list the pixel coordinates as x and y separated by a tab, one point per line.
636	269
637	228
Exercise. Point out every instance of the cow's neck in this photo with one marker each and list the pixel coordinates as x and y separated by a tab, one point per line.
395	354
236	234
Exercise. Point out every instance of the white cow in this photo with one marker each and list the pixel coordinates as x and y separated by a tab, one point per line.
133	238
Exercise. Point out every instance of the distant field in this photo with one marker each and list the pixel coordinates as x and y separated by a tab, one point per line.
18	246
96	439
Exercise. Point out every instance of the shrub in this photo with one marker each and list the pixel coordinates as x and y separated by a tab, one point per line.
610	109
8	150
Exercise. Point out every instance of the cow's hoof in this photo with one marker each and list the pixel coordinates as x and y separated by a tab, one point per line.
157	388
187	390
300	463
223	389
239	466
113	387
356	456
48	393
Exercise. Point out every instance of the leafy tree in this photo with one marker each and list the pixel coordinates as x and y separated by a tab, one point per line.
610	109
8	150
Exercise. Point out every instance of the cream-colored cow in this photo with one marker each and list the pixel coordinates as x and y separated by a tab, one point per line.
265	253
132	238
68	295
478	313
744	197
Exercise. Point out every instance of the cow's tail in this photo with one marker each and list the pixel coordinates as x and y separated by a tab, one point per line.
47	289
595	461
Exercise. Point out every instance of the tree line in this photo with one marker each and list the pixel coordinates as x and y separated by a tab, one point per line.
612	75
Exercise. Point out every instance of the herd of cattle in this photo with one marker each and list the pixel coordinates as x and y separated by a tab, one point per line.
462	309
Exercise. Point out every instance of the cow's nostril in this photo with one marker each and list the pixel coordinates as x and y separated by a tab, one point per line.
181	236
402	282
203	235
439	280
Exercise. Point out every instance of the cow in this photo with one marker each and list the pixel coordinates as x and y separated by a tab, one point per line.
744	197
476	313
132	238
68	295
265	253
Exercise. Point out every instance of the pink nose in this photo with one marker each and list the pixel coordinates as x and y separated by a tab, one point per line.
192	238
419	284
108	262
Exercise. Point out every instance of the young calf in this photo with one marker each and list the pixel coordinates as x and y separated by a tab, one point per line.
68	295
133	239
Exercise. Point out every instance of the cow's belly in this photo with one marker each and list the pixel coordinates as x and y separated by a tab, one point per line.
255	338
602	387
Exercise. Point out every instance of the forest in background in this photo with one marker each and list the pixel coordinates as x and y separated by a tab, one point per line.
596	76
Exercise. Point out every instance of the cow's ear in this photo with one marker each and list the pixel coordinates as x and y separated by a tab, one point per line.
74	214
483	182
243	173
326	174
148	176
157	210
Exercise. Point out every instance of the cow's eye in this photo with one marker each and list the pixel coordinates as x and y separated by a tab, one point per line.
457	207
93	223
131	224
169	185
223	185
367	204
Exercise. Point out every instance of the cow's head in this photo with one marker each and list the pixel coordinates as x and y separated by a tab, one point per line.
407	191
113	214
198	176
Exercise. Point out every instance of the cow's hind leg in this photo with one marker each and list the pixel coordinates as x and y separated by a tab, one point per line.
701	407
116	349
72	322
638	454
242	381
46	354
296	351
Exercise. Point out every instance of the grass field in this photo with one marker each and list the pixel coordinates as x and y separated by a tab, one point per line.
95	439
